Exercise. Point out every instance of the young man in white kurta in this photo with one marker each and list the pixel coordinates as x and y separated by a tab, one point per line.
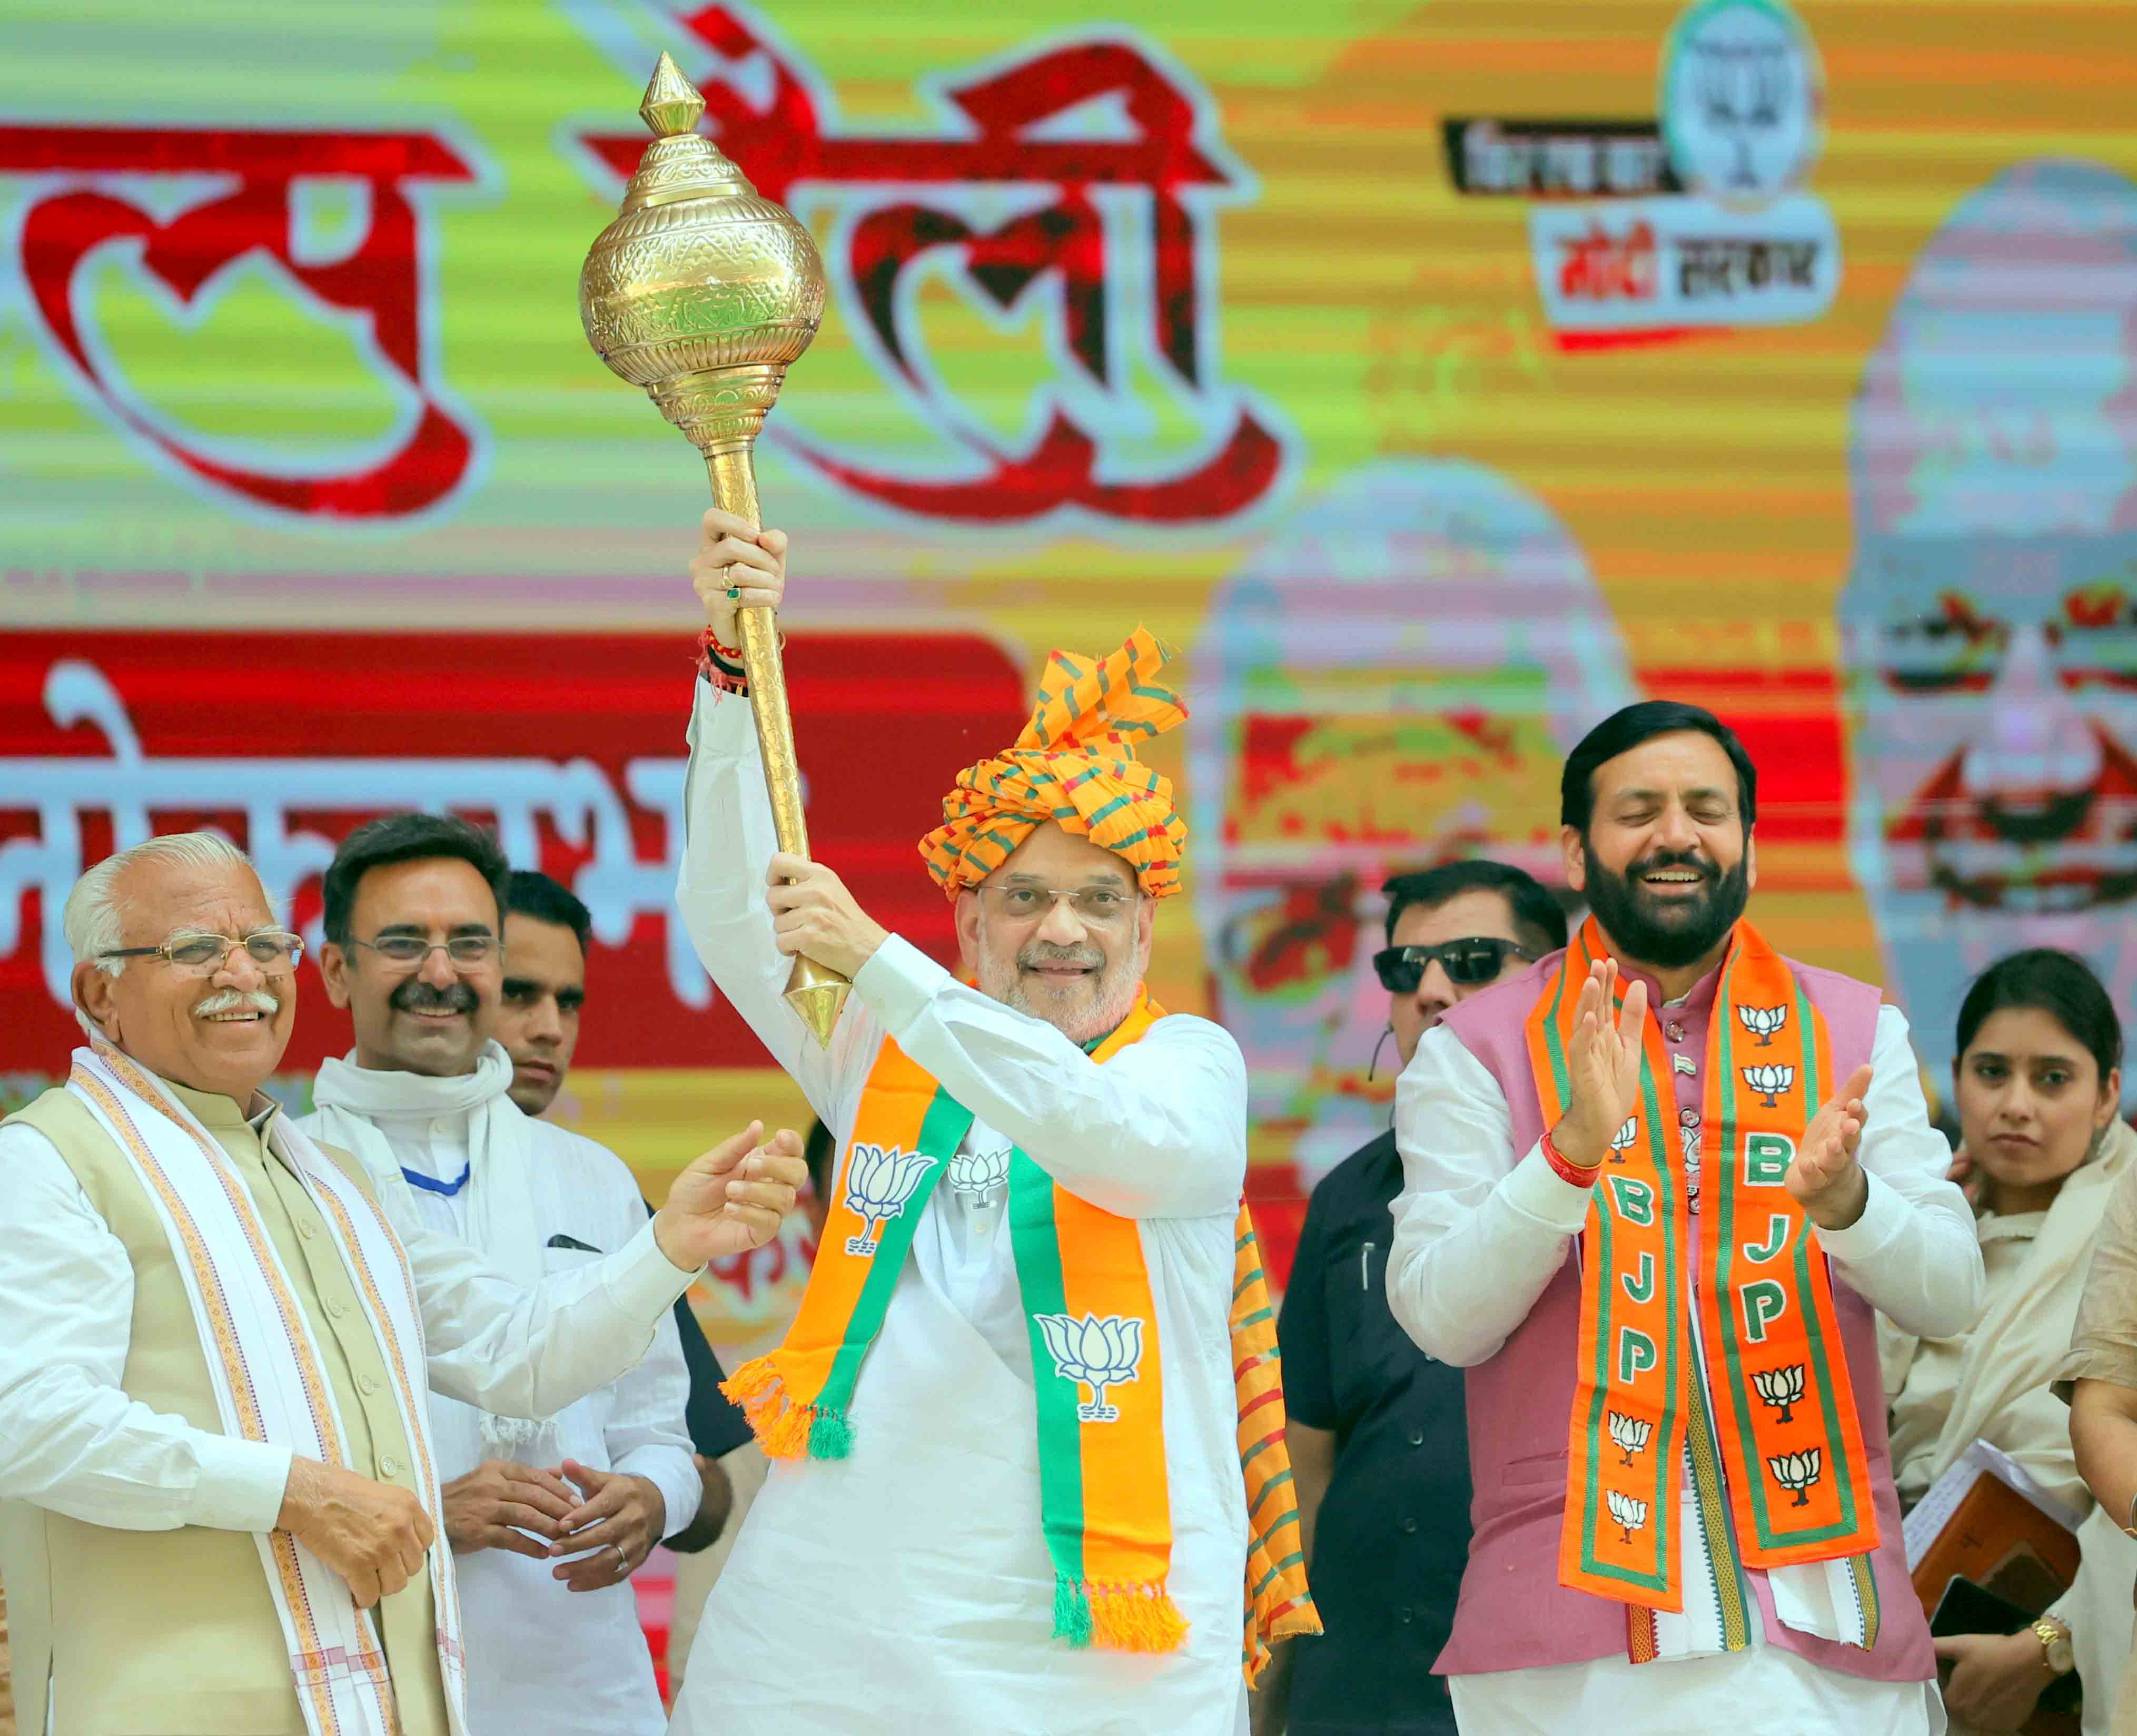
909	1586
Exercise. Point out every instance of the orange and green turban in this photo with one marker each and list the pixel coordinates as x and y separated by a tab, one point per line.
1075	762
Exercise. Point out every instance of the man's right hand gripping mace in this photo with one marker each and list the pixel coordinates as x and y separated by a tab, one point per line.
702	293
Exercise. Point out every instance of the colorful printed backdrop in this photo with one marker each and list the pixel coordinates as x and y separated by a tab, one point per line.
1437	377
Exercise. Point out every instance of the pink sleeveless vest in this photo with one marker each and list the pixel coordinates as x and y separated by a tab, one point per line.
1513	1613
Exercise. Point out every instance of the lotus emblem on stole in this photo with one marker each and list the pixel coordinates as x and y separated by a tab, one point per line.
1629	1434
1097	1352
1763	1021
1797	1471
1630	1513
880	1181
1769	1080
1622	1140
1783	1388
979	1172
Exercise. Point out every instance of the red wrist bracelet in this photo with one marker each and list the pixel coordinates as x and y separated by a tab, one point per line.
717	664
1567	1171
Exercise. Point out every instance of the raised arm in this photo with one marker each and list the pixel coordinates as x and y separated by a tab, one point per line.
529	1352
728	839
1477	1235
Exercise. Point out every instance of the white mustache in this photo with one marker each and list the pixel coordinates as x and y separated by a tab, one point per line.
236	1000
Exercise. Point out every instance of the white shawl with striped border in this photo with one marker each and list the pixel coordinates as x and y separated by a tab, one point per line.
268	1381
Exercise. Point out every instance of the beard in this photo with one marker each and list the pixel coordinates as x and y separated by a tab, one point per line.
1081	1008
1671	934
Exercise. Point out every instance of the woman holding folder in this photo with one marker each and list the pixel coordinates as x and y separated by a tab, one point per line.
2038	1086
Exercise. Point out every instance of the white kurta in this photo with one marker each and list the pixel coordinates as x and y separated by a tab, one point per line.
909	1586
543	1660
1478	1235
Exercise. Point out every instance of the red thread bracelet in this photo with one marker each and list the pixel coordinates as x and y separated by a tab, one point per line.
714	661
1565	1169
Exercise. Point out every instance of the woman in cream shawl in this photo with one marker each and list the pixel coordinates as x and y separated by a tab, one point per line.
2037	1084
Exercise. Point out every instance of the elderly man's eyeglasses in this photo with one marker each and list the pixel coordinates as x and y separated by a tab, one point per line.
1097	907
1469	964
414	950
202	955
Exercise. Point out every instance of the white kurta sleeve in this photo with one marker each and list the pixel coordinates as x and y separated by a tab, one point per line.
1160	1130
647	1433
70	1439
522	1353
1914	1254
1478	1235
728	843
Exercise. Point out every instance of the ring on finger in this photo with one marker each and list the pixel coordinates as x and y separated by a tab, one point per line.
622	1560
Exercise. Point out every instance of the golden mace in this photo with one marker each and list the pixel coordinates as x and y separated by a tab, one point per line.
702	293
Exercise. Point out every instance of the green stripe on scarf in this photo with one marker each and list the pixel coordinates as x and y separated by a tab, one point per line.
1037	1251
942	1130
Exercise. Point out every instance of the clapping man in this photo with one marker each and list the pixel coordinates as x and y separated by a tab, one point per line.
1678	1437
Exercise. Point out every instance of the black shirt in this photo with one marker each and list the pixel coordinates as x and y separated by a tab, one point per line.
1392	1533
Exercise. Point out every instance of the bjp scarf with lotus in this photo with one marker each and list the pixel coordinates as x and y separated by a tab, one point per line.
1098	1388
1709	1338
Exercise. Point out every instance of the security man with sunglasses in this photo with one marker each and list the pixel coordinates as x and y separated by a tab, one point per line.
1376	1427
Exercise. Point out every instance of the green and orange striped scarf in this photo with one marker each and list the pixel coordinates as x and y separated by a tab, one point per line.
1782	1428
1104	1493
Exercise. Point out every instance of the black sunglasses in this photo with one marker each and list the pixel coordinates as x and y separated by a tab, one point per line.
1469	964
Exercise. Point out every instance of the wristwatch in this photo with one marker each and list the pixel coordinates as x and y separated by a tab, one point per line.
2055	1646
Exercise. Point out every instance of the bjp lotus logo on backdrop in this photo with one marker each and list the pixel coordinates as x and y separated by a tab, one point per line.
1096	1351
880	1182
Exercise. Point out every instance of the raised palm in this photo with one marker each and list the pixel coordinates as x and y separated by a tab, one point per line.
731	1200
1603	1065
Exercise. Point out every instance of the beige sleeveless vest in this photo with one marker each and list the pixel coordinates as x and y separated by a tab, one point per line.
173	1633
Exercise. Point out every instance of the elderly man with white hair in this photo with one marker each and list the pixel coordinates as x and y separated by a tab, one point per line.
217	1500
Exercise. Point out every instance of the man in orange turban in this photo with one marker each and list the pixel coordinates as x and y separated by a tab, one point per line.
1013	1462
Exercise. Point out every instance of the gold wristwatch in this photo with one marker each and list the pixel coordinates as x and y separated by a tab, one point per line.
2055	1646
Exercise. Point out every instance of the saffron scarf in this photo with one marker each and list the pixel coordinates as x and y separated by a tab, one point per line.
1104	1501
1774	1412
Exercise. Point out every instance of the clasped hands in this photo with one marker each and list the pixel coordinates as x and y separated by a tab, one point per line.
1603	1063
609	1524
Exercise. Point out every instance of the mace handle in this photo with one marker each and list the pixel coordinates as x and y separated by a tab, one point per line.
814	991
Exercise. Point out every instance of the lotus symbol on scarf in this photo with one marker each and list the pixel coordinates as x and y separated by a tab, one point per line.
1763	1021
1797	1471
1629	1434
1622	1138
1769	1080
879	1184
1630	1513
1097	1352
1783	1388
979	1172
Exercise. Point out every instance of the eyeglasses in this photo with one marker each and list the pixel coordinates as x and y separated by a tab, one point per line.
1097	907
202	955
414	950
1469	964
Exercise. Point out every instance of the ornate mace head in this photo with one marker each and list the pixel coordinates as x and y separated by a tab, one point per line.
700	291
